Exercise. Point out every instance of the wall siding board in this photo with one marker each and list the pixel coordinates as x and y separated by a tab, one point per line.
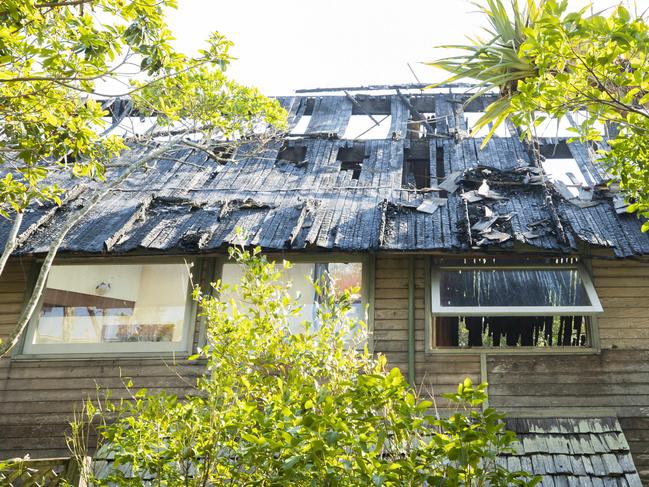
13	282
617	378
37	398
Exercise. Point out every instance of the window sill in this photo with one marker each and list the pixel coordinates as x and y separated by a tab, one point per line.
106	356
513	351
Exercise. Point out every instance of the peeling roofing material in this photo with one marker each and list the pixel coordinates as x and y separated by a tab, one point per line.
572	452
426	191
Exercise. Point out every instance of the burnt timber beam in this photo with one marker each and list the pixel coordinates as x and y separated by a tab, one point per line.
360	107
404	86
415	113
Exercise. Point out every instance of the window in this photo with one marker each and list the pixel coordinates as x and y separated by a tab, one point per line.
497	306
112	308
344	275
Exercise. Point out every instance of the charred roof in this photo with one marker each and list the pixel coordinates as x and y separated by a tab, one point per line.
424	185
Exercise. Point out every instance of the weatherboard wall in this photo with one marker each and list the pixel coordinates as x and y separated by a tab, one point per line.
616	379
38	397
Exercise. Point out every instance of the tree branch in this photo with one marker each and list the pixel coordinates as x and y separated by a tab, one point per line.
12	240
614	101
62	82
65	3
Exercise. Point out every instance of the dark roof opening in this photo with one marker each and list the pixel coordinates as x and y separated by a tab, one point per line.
351	159
416	165
560	150
223	153
292	153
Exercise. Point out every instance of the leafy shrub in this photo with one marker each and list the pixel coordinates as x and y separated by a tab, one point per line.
275	408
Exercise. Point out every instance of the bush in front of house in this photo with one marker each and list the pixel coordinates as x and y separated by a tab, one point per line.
279	408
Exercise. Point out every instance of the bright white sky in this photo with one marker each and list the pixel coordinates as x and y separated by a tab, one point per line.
283	45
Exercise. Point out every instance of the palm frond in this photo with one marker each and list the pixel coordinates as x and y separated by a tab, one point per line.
495	63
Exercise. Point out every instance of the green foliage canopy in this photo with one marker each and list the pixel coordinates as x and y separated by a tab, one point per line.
562	62
57	57
275	408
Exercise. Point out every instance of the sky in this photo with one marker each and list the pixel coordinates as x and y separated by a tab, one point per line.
284	45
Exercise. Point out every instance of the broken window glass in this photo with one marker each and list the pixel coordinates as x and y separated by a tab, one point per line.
512	331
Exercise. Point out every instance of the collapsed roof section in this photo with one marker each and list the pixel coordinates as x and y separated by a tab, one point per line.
426	186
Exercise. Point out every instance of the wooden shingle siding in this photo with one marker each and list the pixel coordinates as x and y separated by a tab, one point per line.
391	314
38	398
623	287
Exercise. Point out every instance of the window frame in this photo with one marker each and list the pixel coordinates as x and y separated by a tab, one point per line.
367	280
27	350
438	310
430	323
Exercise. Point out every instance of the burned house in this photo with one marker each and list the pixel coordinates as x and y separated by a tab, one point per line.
514	264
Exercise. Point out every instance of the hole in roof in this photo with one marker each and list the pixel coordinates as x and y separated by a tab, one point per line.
567	171
440	173
471	118
223	153
363	127
351	159
294	154
417	129
301	126
559	150
559	165
416	166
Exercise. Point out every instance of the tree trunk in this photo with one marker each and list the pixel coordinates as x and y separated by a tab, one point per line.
12	239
